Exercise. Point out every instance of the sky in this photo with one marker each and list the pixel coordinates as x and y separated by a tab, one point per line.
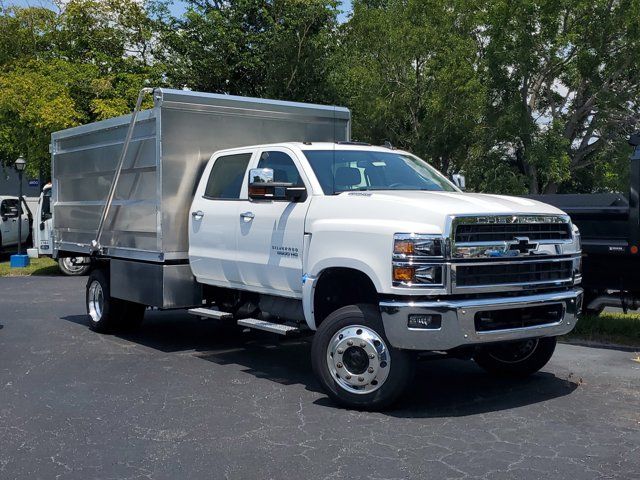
177	8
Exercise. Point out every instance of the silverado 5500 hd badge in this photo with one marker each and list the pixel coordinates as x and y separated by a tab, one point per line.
285	251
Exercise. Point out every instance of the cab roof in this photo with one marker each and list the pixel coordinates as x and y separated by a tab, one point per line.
321	146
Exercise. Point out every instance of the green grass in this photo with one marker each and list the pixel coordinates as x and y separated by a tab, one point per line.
38	266
613	328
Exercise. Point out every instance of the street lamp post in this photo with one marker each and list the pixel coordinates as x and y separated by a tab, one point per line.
20	164
19	260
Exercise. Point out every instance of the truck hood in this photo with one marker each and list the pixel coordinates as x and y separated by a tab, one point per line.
411	211
457	203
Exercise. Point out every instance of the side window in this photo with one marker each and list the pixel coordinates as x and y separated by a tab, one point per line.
10	207
3	208
225	179
284	170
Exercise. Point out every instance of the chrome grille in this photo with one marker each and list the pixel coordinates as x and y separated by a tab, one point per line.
485	274
506	232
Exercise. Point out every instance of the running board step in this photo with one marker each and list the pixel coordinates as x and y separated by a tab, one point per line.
210	313
267	326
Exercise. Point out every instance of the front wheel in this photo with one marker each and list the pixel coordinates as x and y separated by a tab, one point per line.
354	362
516	359
74	266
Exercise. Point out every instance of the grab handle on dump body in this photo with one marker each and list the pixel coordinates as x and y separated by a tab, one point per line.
95	244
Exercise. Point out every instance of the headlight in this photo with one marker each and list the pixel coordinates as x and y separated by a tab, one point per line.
416	246
412	257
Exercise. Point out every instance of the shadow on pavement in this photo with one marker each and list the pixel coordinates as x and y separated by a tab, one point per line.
442	387
606	346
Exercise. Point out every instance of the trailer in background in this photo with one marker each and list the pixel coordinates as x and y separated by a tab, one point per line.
609	225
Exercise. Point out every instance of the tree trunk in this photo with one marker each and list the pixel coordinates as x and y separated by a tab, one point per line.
532	175
551	188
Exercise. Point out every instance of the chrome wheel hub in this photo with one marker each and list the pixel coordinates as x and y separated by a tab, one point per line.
71	264
95	301
358	359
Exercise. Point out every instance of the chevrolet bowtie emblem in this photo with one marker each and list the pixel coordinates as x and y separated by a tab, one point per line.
522	245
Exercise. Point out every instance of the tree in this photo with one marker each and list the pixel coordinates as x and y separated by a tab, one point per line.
407	68
33	103
84	63
563	82
265	48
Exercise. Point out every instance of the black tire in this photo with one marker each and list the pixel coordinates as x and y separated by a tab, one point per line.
516	359
71	270
108	314
399	368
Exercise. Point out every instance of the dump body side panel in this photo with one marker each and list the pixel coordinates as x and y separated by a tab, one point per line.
83	165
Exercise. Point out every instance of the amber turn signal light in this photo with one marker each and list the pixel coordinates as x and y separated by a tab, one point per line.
403	274
404	247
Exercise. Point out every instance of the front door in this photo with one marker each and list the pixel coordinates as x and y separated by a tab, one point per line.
8	211
42	224
213	222
271	232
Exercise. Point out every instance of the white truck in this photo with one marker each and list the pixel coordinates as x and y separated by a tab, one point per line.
9	218
42	234
368	248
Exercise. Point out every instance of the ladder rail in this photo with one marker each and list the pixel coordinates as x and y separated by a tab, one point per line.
95	244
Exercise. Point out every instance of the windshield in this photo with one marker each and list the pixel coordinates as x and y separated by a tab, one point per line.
357	170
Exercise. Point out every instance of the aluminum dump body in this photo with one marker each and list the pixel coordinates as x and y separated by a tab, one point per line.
170	146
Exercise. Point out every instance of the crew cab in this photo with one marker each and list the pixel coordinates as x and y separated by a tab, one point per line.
369	249
9	218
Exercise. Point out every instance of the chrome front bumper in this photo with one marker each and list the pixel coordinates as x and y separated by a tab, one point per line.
458	320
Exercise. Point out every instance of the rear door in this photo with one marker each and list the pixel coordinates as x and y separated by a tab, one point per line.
271	234
213	222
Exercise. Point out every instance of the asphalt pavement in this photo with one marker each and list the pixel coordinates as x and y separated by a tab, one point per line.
183	398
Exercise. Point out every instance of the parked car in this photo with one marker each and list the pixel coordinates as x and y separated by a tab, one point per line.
9	218
204	202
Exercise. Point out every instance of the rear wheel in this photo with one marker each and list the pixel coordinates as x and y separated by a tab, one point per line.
74	266
354	361
516	359
108	314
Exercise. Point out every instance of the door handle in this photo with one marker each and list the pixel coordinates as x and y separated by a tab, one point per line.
197	215
247	216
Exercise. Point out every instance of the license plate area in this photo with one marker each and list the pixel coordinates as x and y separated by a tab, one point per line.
522	317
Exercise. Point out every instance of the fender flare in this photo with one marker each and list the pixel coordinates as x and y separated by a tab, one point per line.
310	281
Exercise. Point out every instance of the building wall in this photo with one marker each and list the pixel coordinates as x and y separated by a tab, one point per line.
9	183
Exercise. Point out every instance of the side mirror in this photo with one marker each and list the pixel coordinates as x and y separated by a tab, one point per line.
262	187
459	181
